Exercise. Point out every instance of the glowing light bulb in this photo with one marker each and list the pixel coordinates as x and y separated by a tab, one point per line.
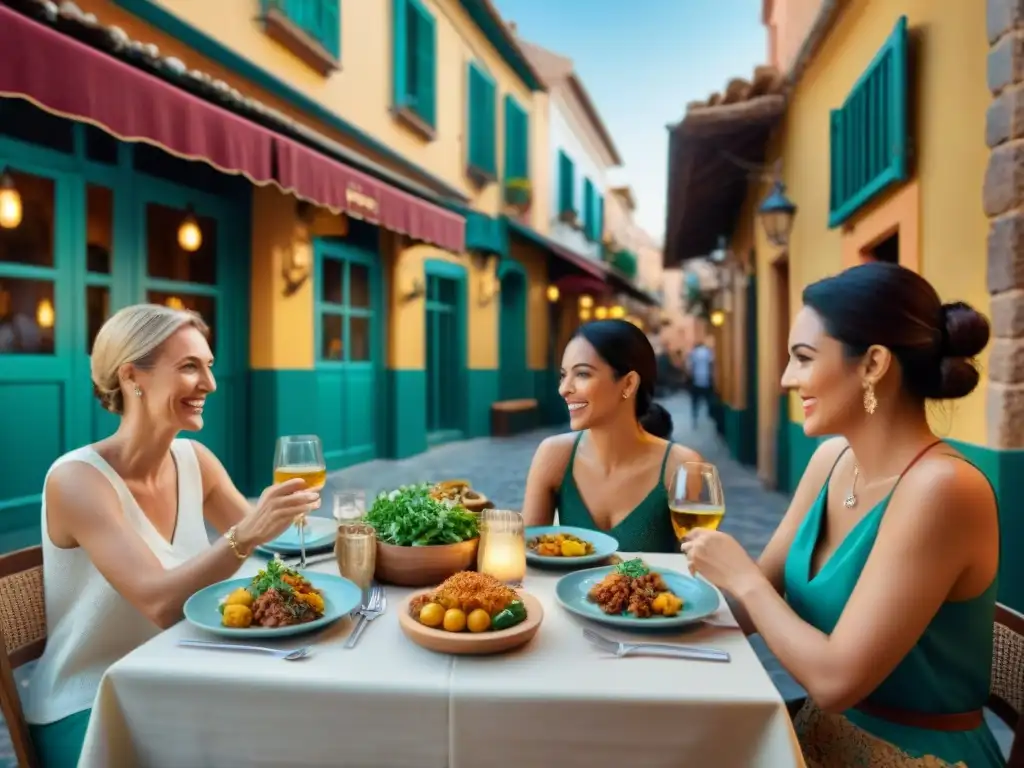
10	203
618	312
718	318
190	236
553	293
601	313
175	303
44	313
586	302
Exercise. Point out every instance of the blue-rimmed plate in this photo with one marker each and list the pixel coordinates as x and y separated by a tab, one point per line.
341	597
604	546
700	599
320	534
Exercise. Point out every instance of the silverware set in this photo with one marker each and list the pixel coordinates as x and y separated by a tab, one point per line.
375	604
667	650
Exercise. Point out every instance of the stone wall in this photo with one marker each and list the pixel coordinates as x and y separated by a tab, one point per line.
1003	199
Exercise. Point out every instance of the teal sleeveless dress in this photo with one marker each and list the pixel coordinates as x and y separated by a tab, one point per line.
648	528
946	672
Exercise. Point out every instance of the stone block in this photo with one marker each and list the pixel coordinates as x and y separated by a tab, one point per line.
1006	361
1004	119
1004	179
1006	253
1004	415
1008	314
1002	16
1006	62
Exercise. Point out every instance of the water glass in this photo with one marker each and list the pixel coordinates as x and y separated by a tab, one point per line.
349	505
356	552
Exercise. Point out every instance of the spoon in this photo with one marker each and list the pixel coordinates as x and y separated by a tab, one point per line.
288	654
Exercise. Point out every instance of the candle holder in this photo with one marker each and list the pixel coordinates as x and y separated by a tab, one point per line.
502	552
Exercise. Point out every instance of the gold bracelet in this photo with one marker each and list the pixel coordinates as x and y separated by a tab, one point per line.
230	536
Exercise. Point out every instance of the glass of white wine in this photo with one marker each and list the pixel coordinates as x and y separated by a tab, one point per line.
696	499
300	456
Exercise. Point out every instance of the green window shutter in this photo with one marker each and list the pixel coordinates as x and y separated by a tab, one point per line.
330	26
589	211
566	184
426	65
517	140
400	53
868	135
482	110
599	223
320	19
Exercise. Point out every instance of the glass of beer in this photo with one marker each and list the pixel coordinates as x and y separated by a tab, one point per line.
696	499
300	456
356	552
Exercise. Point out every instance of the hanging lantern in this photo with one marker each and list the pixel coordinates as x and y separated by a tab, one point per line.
777	214
44	313
10	202
190	236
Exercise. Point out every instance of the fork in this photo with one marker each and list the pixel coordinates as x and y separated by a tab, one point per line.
288	654
375	606
620	650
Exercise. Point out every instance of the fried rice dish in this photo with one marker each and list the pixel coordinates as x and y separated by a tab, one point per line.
633	589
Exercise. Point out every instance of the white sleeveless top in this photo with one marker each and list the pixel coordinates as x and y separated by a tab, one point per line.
89	624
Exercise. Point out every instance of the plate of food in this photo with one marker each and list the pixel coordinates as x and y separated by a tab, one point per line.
563	546
632	595
276	602
471	613
320	534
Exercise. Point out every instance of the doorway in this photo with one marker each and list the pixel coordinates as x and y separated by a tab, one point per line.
512	335
773	416
445	351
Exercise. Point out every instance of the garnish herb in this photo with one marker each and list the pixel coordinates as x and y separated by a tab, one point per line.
634	568
410	517
272	577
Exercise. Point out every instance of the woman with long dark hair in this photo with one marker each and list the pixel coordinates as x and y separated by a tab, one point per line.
613	475
877	592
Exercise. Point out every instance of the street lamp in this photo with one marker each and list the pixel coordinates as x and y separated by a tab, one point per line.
777	214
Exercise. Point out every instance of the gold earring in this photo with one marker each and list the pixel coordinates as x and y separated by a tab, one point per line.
625	395
870	401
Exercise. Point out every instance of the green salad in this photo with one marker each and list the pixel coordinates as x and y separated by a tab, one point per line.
411	517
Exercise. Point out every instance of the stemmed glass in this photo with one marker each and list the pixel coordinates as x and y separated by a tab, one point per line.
696	498
300	456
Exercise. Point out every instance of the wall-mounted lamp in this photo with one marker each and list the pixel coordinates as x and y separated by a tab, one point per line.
489	284
190	236
586	302
10	202
553	293
777	213
297	260
44	313
601	313
417	290
617	312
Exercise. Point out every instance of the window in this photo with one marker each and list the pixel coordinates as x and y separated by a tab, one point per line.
517	141
566	184
869	133
310	29
99	239
167	260
415	65
888	249
482	111
346	311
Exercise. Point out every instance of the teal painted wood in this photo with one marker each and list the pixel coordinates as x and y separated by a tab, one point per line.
282	402
482	120
205	45
749	444
481	392
515	381
517	140
49	398
590	210
869	136
446	307
566	183
486	234
407	398
414	59
320	19
348	386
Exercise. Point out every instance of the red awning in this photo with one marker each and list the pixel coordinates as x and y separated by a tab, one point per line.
69	78
577	284
317	178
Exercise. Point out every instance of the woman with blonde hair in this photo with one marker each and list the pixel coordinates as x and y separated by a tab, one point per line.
123	520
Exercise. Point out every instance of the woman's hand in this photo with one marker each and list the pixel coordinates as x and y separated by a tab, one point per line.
277	508
720	559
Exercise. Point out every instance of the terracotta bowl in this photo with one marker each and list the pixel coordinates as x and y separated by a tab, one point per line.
474	643
423	566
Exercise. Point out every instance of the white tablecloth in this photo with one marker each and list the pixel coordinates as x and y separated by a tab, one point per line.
391	704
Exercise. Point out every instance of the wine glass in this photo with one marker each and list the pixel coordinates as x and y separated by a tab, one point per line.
300	456
696	498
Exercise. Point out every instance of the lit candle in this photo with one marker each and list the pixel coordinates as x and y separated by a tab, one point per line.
502	552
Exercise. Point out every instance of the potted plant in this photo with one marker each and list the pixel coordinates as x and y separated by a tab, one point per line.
570	217
421	540
519	194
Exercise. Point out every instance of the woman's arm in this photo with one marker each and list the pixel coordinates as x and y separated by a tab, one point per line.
83	504
546	470
223	504
935	527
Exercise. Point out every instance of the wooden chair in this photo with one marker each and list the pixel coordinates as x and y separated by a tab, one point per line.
22	638
1006	699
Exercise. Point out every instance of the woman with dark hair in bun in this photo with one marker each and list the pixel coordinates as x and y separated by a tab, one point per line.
614	474
877	592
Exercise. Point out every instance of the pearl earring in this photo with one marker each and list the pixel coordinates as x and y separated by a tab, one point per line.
138	392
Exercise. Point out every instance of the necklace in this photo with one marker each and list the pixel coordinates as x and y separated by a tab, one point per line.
851	498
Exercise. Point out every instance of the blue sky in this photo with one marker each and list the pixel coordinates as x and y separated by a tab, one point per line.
642	61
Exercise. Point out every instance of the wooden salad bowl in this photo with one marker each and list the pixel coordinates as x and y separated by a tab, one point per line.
473	643
423	566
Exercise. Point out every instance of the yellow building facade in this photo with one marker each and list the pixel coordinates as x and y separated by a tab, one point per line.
925	210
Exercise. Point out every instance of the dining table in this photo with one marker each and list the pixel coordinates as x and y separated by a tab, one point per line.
389	703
